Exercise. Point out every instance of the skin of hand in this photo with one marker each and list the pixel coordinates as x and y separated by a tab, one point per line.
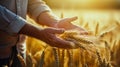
51	20
66	24
48	35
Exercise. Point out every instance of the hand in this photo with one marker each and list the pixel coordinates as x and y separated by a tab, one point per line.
49	36
67	25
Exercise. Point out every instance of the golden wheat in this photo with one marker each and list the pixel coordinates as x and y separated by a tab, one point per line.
74	36
99	55
21	60
56	57
96	29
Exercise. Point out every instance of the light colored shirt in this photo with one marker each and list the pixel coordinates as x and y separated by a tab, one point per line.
10	22
12	19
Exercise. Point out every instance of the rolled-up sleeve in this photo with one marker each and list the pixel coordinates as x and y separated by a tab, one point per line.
35	7
10	22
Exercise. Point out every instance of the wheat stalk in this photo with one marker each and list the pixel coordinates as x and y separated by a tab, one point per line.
102	62
21	60
86	26
42	59
62	15
55	50
62	58
97	29
69	35
99	58
76	42
70	55
108	51
82	40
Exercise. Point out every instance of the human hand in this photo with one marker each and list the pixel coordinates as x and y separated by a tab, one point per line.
49	35
67	25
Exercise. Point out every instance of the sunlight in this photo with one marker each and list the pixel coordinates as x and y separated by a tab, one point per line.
84	4
101	4
99	18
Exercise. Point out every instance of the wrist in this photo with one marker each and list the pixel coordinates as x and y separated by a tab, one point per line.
55	25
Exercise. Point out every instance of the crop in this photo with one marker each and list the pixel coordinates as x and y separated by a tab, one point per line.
100	48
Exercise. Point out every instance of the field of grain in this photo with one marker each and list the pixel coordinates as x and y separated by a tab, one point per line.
100	49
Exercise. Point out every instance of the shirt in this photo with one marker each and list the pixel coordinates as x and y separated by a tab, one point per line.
12	19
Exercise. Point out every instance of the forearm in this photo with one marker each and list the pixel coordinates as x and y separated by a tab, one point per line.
48	35
47	19
13	24
31	31
41	13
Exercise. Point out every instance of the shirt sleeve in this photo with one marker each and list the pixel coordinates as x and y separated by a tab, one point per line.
10	22
35	7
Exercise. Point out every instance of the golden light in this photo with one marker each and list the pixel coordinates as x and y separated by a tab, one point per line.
85	4
96	16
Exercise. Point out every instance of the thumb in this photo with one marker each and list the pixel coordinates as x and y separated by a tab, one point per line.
72	19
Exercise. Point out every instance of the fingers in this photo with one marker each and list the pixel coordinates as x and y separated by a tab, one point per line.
55	41
72	19
60	43
83	33
56	31
82	30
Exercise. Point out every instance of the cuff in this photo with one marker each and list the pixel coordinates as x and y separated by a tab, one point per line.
16	25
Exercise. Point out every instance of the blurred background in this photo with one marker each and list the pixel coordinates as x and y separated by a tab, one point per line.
100	17
84	4
100	11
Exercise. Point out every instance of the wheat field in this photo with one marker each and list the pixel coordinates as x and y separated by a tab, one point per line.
100	48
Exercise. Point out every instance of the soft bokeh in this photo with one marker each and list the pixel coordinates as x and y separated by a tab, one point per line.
100	17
